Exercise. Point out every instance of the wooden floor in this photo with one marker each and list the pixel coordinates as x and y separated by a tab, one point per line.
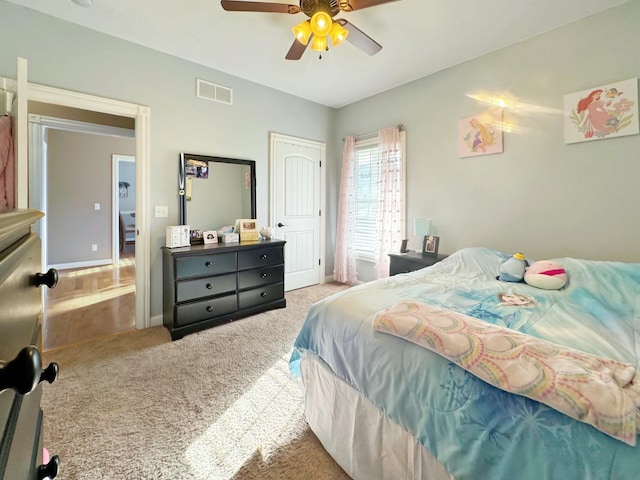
90	303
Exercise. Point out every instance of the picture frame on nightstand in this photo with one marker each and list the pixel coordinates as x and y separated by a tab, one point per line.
430	245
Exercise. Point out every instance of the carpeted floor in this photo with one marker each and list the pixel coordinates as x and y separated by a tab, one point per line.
218	404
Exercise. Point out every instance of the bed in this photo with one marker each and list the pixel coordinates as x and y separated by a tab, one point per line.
385	407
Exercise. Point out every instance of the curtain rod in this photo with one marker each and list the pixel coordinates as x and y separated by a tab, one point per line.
362	136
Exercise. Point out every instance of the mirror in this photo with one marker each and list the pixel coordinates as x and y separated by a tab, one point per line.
214	191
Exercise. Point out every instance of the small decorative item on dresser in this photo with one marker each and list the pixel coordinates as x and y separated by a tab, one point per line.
196	237
210	236
266	233
177	236
248	230
430	245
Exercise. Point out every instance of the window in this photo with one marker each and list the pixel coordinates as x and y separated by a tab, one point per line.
367	178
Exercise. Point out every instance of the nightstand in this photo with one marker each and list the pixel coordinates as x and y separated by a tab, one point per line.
410	261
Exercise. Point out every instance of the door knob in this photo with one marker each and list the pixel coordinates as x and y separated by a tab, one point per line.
280	224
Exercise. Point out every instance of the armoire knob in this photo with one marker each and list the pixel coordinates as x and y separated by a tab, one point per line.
50	470
50	279
23	372
50	374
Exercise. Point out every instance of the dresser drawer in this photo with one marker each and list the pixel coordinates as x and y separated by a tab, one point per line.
259	257
205	287
198	311
23	455
258	296
260	276
199	265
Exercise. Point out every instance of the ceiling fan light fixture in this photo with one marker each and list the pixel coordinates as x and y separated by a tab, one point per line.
338	34
321	24
319	43
302	32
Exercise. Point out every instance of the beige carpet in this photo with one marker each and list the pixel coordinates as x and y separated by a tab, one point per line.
218	404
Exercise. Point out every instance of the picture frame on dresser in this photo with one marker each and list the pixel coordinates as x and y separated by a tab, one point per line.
430	245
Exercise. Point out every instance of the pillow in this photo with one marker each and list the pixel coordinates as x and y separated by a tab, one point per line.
546	274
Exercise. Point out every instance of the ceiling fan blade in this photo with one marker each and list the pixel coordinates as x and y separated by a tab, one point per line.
360	39
351	5
296	50
239	6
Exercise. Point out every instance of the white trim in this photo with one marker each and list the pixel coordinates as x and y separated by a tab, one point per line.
115	203
141	114
82	127
21	140
273	139
86	264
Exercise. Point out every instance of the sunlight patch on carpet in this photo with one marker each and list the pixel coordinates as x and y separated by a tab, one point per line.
261	420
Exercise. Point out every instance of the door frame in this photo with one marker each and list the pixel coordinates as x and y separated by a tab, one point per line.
142	116
273	139
115	203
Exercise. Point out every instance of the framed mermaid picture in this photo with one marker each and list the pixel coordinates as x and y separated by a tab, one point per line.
480	134
604	111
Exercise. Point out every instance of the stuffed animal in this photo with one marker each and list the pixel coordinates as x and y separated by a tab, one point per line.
546	274
513	268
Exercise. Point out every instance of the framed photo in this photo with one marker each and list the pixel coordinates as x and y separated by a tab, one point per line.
247	228
195	236
210	236
430	245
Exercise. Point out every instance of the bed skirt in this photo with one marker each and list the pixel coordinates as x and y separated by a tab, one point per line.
359	437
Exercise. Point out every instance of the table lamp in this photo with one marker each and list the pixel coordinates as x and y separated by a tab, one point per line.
422	228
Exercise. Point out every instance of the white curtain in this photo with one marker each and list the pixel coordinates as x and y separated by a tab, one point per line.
344	269
390	211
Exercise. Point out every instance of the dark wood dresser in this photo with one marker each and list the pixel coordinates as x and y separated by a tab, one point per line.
21	372
208	285
411	261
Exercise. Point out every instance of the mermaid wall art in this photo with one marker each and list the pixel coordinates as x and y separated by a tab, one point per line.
602	112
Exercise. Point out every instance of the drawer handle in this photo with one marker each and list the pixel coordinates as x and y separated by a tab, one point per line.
208	264
209	308
263	274
50	374
23	372
263	256
50	470
209	286
263	294
50	279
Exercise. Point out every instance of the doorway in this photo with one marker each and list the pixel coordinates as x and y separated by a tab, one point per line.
141	116
296	206
70	181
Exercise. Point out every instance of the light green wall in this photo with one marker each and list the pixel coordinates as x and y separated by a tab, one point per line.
540	196
64	55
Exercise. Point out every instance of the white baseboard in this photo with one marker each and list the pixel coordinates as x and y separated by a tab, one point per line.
86	264
155	321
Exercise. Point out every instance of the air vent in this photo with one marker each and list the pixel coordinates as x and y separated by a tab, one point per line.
214	92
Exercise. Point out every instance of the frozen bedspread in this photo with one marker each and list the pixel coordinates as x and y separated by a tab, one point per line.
474	429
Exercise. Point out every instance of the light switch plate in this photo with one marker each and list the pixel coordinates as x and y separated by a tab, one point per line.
161	211
96	206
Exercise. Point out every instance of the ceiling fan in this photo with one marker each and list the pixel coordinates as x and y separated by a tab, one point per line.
321	27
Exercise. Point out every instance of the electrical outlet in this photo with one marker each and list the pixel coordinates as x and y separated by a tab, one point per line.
94	247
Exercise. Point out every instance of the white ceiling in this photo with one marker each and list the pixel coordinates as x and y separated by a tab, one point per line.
419	37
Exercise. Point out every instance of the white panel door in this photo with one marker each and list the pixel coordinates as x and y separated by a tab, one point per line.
296	207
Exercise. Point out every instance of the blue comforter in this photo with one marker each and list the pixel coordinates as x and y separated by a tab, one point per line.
475	430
